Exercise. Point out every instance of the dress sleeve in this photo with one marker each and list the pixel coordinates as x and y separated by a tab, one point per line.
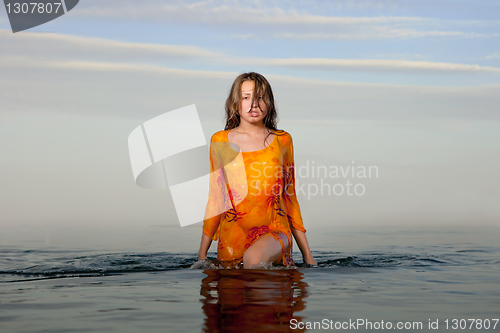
292	205
217	195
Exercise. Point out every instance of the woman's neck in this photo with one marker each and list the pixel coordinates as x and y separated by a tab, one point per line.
256	128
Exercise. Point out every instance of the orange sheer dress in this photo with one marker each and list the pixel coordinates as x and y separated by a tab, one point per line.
251	194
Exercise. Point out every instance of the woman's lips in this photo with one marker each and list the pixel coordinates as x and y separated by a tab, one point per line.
254	114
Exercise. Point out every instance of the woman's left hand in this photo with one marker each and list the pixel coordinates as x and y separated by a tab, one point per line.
310	260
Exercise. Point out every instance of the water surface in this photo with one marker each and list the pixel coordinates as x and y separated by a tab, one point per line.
59	280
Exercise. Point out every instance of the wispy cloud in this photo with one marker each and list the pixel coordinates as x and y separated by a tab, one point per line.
384	33
60	45
227	13
277	21
495	55
103	54
33	62
376	65
125	89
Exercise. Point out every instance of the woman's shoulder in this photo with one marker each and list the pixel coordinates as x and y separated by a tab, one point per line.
219	136
283	136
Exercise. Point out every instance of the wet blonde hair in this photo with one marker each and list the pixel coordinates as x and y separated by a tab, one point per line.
262	88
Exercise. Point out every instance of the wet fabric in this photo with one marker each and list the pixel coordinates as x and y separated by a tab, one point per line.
251	194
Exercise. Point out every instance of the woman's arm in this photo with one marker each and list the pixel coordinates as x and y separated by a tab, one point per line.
292	205
215	202
301	239
204	246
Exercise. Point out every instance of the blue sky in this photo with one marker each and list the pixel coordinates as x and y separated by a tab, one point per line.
410	86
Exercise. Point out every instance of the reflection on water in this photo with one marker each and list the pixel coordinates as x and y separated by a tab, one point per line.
252	300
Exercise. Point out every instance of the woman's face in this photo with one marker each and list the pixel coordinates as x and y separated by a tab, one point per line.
248	112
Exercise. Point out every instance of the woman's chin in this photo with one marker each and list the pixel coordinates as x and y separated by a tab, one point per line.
254	120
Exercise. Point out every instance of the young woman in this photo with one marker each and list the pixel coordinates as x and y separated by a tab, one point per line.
257	229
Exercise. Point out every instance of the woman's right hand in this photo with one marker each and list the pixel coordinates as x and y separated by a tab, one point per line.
204	246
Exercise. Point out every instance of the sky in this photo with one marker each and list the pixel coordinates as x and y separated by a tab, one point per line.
410	88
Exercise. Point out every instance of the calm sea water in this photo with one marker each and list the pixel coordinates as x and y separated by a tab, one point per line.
66	279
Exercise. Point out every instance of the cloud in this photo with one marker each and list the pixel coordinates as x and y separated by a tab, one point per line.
381	33
126	90
32	62
280	20
495	55
66	51
88	75
226	13
375	65
69	46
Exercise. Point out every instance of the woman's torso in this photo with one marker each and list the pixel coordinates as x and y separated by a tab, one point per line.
258	208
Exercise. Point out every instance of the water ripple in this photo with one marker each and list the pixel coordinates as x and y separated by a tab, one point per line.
53	264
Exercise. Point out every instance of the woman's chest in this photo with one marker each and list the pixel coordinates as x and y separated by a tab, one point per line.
248	144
